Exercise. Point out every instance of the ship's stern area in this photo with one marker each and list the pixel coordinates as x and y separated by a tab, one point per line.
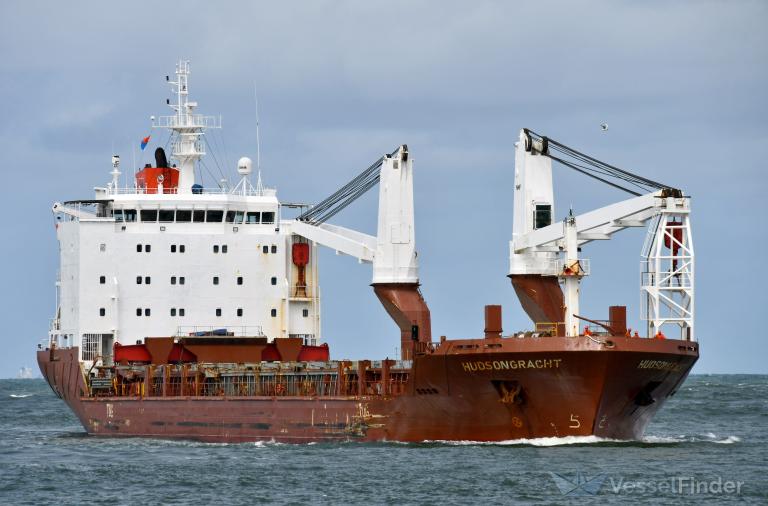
519	388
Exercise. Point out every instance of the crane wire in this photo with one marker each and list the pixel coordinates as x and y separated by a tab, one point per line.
344	196
591	166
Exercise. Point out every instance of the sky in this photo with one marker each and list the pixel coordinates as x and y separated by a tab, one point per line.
682	86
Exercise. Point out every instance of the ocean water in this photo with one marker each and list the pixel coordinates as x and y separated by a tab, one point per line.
708	445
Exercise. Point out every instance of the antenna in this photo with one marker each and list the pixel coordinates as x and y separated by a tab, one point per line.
258	140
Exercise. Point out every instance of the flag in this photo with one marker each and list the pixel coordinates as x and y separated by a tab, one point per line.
144	142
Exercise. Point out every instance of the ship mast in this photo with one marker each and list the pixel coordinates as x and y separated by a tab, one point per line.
187	128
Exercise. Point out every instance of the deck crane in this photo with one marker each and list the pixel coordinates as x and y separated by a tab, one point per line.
544	255
392	251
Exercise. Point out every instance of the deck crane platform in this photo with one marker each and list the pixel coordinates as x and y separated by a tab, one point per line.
544	255
392	252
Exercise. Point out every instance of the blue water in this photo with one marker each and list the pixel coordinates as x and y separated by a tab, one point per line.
713	430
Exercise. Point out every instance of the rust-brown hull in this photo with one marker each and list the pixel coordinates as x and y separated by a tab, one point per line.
476	390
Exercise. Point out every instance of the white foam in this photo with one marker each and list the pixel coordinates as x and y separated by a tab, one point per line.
540	441
729	440
21	396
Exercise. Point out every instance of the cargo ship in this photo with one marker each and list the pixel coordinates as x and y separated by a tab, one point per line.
192	311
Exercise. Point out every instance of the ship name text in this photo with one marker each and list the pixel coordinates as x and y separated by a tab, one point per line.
500	365
661	365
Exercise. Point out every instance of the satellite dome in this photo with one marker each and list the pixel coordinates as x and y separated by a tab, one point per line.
244	166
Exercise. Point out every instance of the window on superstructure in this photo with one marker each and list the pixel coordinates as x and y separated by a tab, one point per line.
230	216
267	217
253	217
166	215
265	249
129	215
173	311
305	313
218	311
148	215
183	216
198	216
273	280
102	247
182	248
273	313
138	280
214	216
542	216
239	280
102	311
147	248
181	280
215	248
118	215
223	248
274	249
147	312
173	280
173	248
181	312
215	280
147	280
239	217
102	280
138	248
138	311
239	311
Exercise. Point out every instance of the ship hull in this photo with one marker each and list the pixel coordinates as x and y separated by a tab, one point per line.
473	390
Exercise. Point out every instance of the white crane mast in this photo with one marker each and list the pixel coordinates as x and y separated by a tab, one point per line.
540	247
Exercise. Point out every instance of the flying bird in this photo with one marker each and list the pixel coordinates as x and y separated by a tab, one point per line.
604	127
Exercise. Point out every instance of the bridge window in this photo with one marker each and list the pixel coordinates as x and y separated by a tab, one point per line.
253	217
198	216
235	217
183	216
268	217
542	216
214	216
166	215
148	215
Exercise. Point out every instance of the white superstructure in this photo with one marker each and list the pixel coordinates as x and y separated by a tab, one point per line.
168	257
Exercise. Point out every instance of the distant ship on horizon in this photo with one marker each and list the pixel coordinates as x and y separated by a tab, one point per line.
25	373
